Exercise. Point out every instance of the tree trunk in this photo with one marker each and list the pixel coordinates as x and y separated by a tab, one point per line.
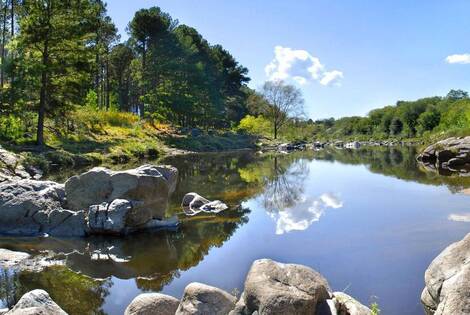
275	131
12	77
144	71
44	78
42	97
107	79
4	35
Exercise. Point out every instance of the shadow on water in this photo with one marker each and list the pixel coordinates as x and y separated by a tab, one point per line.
153	260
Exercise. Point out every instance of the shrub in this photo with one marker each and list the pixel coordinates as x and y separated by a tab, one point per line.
11	127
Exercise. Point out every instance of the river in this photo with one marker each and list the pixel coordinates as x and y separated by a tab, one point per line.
369	220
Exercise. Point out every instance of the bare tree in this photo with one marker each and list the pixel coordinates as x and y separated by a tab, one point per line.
284	102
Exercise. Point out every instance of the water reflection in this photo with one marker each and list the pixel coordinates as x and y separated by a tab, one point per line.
459	217
289	193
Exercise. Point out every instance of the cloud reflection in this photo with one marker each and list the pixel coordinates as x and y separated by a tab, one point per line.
459	217
301	216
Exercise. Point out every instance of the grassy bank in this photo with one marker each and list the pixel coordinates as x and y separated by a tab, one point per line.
92	138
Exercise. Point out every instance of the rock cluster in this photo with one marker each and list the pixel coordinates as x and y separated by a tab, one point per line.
12	169
448	281
452	155
99	201
270	288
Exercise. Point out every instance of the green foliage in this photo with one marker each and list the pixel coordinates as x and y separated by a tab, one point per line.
91	100
374	309
11	127
255	125
423	117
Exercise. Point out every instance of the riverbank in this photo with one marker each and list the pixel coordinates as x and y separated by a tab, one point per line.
118	138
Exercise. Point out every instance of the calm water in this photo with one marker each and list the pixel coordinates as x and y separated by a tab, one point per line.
369	220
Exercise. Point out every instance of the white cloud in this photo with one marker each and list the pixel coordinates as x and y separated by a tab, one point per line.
301	216
332	77
300	66
458	58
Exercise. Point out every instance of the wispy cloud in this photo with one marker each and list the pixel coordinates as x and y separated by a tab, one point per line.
301	67
458	58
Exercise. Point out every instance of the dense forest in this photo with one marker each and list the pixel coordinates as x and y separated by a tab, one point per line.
60	57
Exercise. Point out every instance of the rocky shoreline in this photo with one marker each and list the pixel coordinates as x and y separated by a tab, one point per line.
270	288
449	156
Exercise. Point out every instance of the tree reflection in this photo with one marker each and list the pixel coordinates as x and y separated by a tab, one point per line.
286	187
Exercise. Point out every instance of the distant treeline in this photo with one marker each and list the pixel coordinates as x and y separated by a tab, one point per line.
59	56
406	119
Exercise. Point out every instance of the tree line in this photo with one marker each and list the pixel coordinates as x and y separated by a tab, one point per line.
57	56
405	119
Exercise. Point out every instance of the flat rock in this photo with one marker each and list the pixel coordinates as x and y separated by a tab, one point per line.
152	303
201	299
9	258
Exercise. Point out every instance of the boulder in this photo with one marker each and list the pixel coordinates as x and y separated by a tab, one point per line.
152	303
448	281
193	204
346	305
36	302
148	187
276	288
29	207
200	299
450	154
10	258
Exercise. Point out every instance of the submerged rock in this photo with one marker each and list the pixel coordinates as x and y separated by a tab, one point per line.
36	302
200	299
152	303
193	204
448	281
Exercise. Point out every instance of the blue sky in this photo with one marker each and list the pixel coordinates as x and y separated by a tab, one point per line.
350	55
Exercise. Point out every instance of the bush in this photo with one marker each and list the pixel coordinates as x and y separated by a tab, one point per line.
255	125
11	127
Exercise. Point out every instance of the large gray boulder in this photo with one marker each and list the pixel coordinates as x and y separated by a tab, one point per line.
448	281
29	207
36	302
152	303
201	299
276	288
148	186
